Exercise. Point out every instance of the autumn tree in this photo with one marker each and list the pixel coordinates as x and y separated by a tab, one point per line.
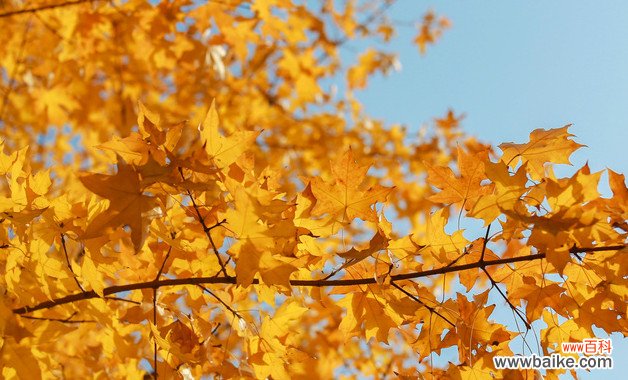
191	188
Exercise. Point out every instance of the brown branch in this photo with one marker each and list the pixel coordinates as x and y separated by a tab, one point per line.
43	7
310	283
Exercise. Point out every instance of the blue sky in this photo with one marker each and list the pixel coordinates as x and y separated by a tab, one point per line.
512	67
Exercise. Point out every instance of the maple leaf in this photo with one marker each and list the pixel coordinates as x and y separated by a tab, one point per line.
354	256
223	151
378	318
273	270
551	145
128	205
345	196
239	273
443	246
505	195
557	332
133	149
368	63
538	297
450	121
430	30
57	103
580	188
617	183
179	340
164	136
478	371
20	358
464	189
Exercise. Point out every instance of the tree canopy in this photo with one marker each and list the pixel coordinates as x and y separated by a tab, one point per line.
192	189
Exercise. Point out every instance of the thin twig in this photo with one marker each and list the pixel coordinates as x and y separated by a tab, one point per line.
163	263
122	300
155	323
59	319
488	230
221	301
494	284
514	309
207	229
418	300
213	332
67	260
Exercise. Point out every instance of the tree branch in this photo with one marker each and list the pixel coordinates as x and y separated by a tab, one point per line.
310	283
44	7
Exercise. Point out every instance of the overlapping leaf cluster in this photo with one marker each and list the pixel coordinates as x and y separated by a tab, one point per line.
280	232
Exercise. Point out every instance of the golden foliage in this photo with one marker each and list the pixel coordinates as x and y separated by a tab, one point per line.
184	193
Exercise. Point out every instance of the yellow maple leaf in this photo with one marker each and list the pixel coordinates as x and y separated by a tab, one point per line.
443	246
133	149
223	151
354	256
551	145
273	269
127	203
19	358
464	189
378	317
504	195
57	102
345	196
90	273
538	297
